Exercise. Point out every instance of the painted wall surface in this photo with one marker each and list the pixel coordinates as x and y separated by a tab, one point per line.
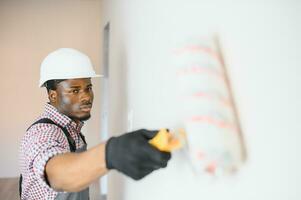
261	43
29	30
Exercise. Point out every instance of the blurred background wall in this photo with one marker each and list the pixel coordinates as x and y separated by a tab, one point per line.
261	45
29	30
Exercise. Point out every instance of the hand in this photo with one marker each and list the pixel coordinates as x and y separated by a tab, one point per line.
132	154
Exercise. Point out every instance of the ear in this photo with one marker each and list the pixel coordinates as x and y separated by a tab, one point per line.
52	96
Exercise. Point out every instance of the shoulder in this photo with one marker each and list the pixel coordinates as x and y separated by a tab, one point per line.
44	132
43	137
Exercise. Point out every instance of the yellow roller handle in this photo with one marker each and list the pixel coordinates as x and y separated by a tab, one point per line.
165	141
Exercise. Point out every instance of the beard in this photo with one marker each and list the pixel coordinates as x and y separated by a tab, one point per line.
74	112
82	118
85	118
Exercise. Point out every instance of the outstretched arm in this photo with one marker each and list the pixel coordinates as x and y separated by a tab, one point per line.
130	154
73	172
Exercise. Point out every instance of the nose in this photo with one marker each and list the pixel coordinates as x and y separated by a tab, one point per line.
86	96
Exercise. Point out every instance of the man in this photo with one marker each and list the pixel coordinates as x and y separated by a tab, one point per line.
54	161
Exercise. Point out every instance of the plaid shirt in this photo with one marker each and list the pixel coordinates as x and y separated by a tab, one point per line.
40	143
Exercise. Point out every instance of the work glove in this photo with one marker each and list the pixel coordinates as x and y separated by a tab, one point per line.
132	154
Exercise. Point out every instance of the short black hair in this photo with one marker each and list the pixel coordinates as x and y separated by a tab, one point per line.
52	84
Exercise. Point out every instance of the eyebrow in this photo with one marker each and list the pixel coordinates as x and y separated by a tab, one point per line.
76	86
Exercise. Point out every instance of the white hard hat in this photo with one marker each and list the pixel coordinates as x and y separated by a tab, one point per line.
66	63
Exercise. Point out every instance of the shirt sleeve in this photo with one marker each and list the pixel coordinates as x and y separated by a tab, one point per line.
48	142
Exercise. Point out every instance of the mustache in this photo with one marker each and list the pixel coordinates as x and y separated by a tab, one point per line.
88	103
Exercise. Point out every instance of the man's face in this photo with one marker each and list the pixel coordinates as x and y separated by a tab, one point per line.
74	98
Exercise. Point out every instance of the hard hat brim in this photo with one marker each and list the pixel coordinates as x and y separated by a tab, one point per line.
93	76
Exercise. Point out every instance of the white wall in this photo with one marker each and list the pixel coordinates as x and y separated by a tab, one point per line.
262	52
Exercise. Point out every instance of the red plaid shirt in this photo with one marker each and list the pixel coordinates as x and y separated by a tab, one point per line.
38	145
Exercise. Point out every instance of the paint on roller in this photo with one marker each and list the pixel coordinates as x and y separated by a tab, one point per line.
209	115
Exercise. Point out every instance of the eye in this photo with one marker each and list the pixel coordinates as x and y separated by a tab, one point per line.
75	91
89	89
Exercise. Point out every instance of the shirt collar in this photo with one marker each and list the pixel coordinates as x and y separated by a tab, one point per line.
61	119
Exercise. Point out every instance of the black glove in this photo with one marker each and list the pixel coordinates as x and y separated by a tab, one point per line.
132	155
